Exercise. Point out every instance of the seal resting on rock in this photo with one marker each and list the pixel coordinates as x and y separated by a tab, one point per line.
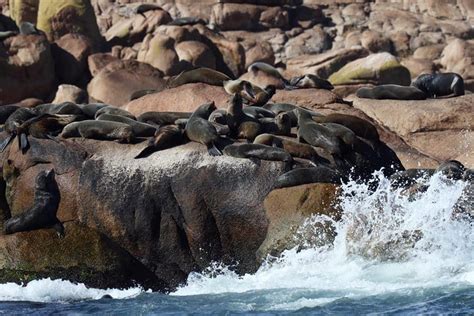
301	176
102	130
162	118
258	151
391	91
310	81
203	74
440	85
139	129
200	130
109	109
43	212
165	137
360	127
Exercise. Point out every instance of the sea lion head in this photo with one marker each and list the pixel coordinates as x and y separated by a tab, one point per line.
206	109
270	89
44	179
452	169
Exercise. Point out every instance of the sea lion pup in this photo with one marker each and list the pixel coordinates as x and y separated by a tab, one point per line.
12	124
310	81
203	74
407	178
141	93
43	212
114	111
102	130
318	135
262	96
258	151
139	129
240	124
295	149
189	20
391	91
162	118
61	108
299	176
6	111
200	130
91	109
258	112
165	137
451	169
360	127
440	84
280	125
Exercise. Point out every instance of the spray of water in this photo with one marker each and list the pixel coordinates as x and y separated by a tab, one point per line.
387	242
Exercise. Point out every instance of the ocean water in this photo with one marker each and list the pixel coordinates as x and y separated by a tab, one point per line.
371	268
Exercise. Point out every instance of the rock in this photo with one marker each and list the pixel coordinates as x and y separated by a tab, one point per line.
310	98
258	52
418	66
58	18
98	61
159	52
24	10
458	56
185	98
70	93
129	31
196	53
375	42
439	128
70	56
430	52
323	65
287	210
306	16
426	39
27	68
116	82
381	68
83	256
179	33
262	79
313	41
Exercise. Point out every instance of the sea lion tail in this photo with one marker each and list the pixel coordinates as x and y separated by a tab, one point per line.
213	150
5	143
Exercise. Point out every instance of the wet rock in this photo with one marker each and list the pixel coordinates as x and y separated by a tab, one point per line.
27	68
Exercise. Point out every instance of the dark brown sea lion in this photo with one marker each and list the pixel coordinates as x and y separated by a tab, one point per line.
162	118
187	21
102	130
114	111
91	109
280	125
391	91
266	68
139	129
61	108
440	84
262	96
360	127
299	176
240	124
141	93
204	75
218	116
258	151
242	87
165	137
43	212
200	130
310	81
452	169
258	112
12	124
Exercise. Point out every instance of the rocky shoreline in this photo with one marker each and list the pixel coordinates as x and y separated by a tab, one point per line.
153	221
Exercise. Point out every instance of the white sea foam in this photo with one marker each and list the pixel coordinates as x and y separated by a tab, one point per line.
443	257
48	290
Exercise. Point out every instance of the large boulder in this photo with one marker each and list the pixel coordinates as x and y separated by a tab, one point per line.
70	93
196	53
313	41
117	81
159	52
458	56
185	98
381	68
439	128
26	67
60	17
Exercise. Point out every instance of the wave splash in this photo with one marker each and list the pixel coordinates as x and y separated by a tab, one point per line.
386	243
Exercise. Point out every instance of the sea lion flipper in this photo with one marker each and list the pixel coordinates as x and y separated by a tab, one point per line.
147	151
5	143
59	228
213	150
24	144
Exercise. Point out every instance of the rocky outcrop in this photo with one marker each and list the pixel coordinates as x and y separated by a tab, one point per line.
70	93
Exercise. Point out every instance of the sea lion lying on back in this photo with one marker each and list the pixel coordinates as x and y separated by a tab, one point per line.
391	91
102	130
440	84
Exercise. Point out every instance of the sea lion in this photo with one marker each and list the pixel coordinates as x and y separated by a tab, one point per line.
6	111
258	112
139	129
114	111
310	81
294	148
262	96
344	133
440	84
299	176
360	127
145	7
12	124
258	151
61	108
291	109
391	91
280	125
165	137
141	93
162	118
187	21
266	68
203	74
200	130
318	135
240	124
242	87
218	116
407	178
102	130
451	169
91	109
43	212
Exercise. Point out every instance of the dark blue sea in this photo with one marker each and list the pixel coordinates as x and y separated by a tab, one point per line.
368	269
